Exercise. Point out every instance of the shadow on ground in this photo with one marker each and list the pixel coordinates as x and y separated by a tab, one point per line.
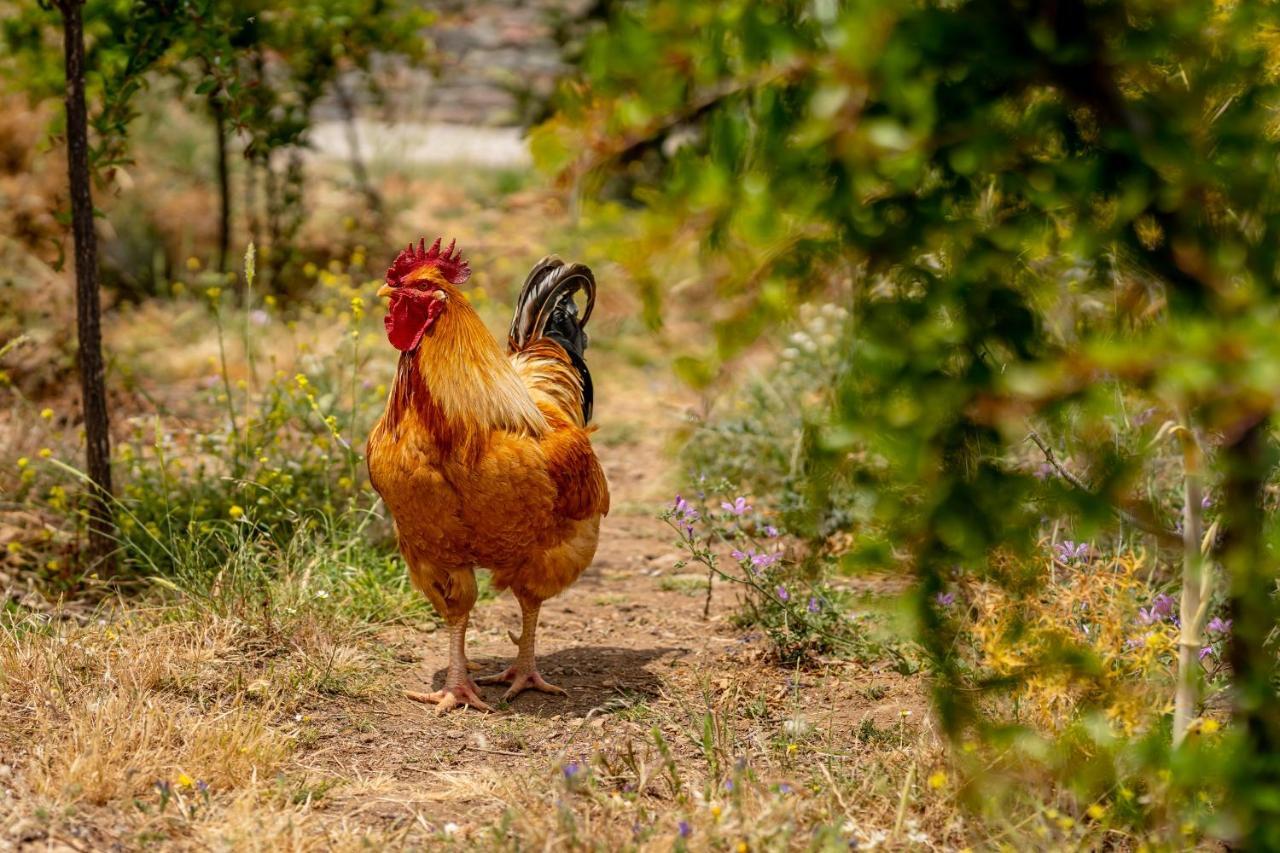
595	676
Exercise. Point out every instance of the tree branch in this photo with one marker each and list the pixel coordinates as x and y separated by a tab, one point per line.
1161	533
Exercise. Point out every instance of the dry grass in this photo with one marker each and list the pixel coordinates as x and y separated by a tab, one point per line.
101	712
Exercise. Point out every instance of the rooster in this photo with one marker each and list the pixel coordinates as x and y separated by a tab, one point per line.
483	457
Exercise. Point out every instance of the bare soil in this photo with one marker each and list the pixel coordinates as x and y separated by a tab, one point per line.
631	655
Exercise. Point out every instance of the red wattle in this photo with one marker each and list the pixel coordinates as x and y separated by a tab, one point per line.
409	316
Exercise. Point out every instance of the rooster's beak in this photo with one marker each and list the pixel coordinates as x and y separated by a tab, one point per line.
385	291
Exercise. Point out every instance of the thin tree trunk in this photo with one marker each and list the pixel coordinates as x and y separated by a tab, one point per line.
219	111
271	198
358	171
251	202
1191	613
88	302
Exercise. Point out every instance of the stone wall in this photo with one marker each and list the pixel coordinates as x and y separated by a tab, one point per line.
496	62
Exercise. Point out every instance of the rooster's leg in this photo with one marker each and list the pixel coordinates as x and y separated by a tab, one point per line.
458	688
523	674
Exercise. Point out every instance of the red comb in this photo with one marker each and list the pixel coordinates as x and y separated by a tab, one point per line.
454	269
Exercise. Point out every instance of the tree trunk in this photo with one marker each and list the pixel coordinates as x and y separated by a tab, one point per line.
219	111
1192	611
88	305
1247	459
358	171
251	202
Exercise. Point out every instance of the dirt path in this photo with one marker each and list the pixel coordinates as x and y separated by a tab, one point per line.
634	654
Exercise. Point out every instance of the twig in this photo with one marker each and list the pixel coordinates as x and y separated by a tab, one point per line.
706	605
498	751
1143	525
902	802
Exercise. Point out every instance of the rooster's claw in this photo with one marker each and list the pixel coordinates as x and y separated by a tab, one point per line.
521	680
451	697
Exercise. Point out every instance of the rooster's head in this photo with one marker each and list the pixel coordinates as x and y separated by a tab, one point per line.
418	285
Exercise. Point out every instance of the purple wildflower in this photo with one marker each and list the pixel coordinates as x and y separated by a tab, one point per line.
764	561
1044	471
1206	502
1218	625
783	595
770	531
1068	551
728	784
684	829
1161	609
738	507
740	555
572	769
814	604
688	515
1205	652
946	599
784	788
202	786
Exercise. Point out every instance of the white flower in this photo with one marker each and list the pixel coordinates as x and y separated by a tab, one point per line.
450	829
322	593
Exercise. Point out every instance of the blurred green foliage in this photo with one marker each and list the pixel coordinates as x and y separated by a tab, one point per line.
1049	212
259	69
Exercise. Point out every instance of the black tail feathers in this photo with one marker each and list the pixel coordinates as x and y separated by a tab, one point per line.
546	308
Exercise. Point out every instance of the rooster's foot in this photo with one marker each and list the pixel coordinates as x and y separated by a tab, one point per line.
521	679
451	697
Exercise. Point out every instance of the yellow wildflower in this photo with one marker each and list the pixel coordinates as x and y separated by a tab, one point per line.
23	462
214	293
743	847
185	781
715	812
938	780
193	263
14	547
236	511
47	414
1097	811
45	453
1208	727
